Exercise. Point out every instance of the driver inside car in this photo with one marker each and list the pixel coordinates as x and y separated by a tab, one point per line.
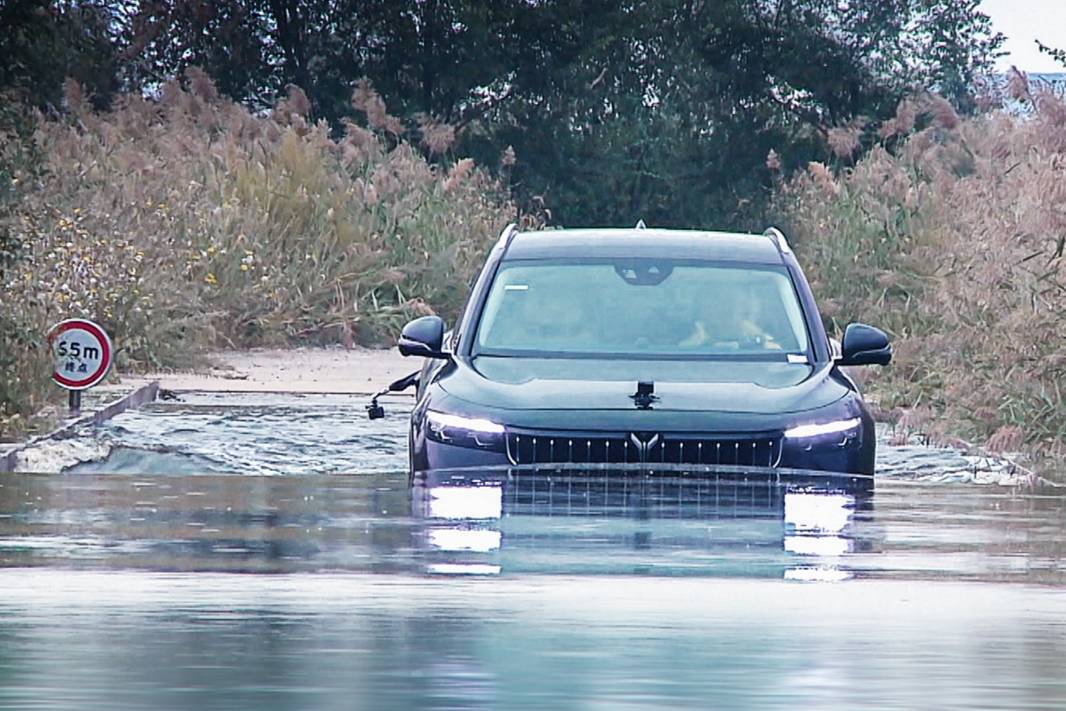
730	324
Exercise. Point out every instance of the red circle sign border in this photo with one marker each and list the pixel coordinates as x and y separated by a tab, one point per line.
105	343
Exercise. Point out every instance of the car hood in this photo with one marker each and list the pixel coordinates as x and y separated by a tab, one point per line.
684	386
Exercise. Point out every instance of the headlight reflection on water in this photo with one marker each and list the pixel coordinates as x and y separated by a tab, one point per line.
811	512
815	528
462	569
479	540
818	574
815	525
466	502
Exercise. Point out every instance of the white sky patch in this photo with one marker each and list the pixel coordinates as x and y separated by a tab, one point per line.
1023	21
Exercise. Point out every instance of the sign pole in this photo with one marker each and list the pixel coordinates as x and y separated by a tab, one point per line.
74	398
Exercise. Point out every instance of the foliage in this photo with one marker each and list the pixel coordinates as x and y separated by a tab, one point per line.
615	111
19	163
21	361
45	42
1055	53
676	128
950	235
190	222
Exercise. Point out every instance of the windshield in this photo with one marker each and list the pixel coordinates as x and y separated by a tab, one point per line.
642	308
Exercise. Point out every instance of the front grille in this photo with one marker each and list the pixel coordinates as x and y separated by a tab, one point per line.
547	447
570	448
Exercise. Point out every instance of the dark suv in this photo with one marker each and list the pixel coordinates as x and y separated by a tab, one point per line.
640	348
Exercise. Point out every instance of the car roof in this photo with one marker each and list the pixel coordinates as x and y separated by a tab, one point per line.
645	242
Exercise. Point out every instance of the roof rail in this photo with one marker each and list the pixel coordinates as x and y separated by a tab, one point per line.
507	236
779	239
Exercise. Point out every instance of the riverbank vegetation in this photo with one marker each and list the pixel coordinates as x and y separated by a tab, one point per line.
187	208
190	222
949	233
662	111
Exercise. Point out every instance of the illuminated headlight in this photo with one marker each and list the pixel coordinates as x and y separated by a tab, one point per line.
464	431
824	428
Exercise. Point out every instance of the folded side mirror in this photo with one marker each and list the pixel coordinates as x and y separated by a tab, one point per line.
423	337
864	345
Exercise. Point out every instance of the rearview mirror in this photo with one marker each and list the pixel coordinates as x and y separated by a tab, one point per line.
864	345
423	337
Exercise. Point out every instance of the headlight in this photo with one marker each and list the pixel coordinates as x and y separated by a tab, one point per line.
464	431
825	428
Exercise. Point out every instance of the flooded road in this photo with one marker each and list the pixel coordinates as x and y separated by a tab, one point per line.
248	557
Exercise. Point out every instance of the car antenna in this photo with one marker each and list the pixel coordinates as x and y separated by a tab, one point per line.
640	225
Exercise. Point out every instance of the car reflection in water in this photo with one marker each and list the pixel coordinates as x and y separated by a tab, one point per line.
520	520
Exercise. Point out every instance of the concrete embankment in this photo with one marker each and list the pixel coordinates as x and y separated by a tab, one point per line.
32	452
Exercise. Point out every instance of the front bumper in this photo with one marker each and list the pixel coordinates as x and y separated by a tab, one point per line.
651	439
856	456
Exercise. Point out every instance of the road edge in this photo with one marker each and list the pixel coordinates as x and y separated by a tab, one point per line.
141	396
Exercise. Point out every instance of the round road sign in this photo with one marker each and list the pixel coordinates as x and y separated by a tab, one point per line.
81	352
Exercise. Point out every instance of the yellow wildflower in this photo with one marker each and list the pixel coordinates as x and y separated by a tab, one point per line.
210	278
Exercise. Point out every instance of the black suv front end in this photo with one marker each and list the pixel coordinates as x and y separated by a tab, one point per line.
665	351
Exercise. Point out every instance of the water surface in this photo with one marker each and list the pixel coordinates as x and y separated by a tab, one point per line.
273	554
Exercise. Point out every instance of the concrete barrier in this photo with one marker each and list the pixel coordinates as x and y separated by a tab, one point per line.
141	396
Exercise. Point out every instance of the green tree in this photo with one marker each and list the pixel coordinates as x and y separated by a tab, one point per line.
671	108
44	43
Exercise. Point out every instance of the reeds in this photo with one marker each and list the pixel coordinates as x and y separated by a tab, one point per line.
188	222
950	235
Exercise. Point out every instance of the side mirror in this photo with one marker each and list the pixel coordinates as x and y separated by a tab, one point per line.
864	345
423	337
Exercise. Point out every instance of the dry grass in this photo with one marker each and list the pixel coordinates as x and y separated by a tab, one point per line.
950	235
190	222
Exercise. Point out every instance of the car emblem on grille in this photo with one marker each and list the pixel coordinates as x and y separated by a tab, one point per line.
643	442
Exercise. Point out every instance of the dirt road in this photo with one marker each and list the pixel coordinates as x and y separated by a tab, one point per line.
300	370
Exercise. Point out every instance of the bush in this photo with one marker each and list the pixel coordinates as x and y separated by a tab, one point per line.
189	222
950	234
